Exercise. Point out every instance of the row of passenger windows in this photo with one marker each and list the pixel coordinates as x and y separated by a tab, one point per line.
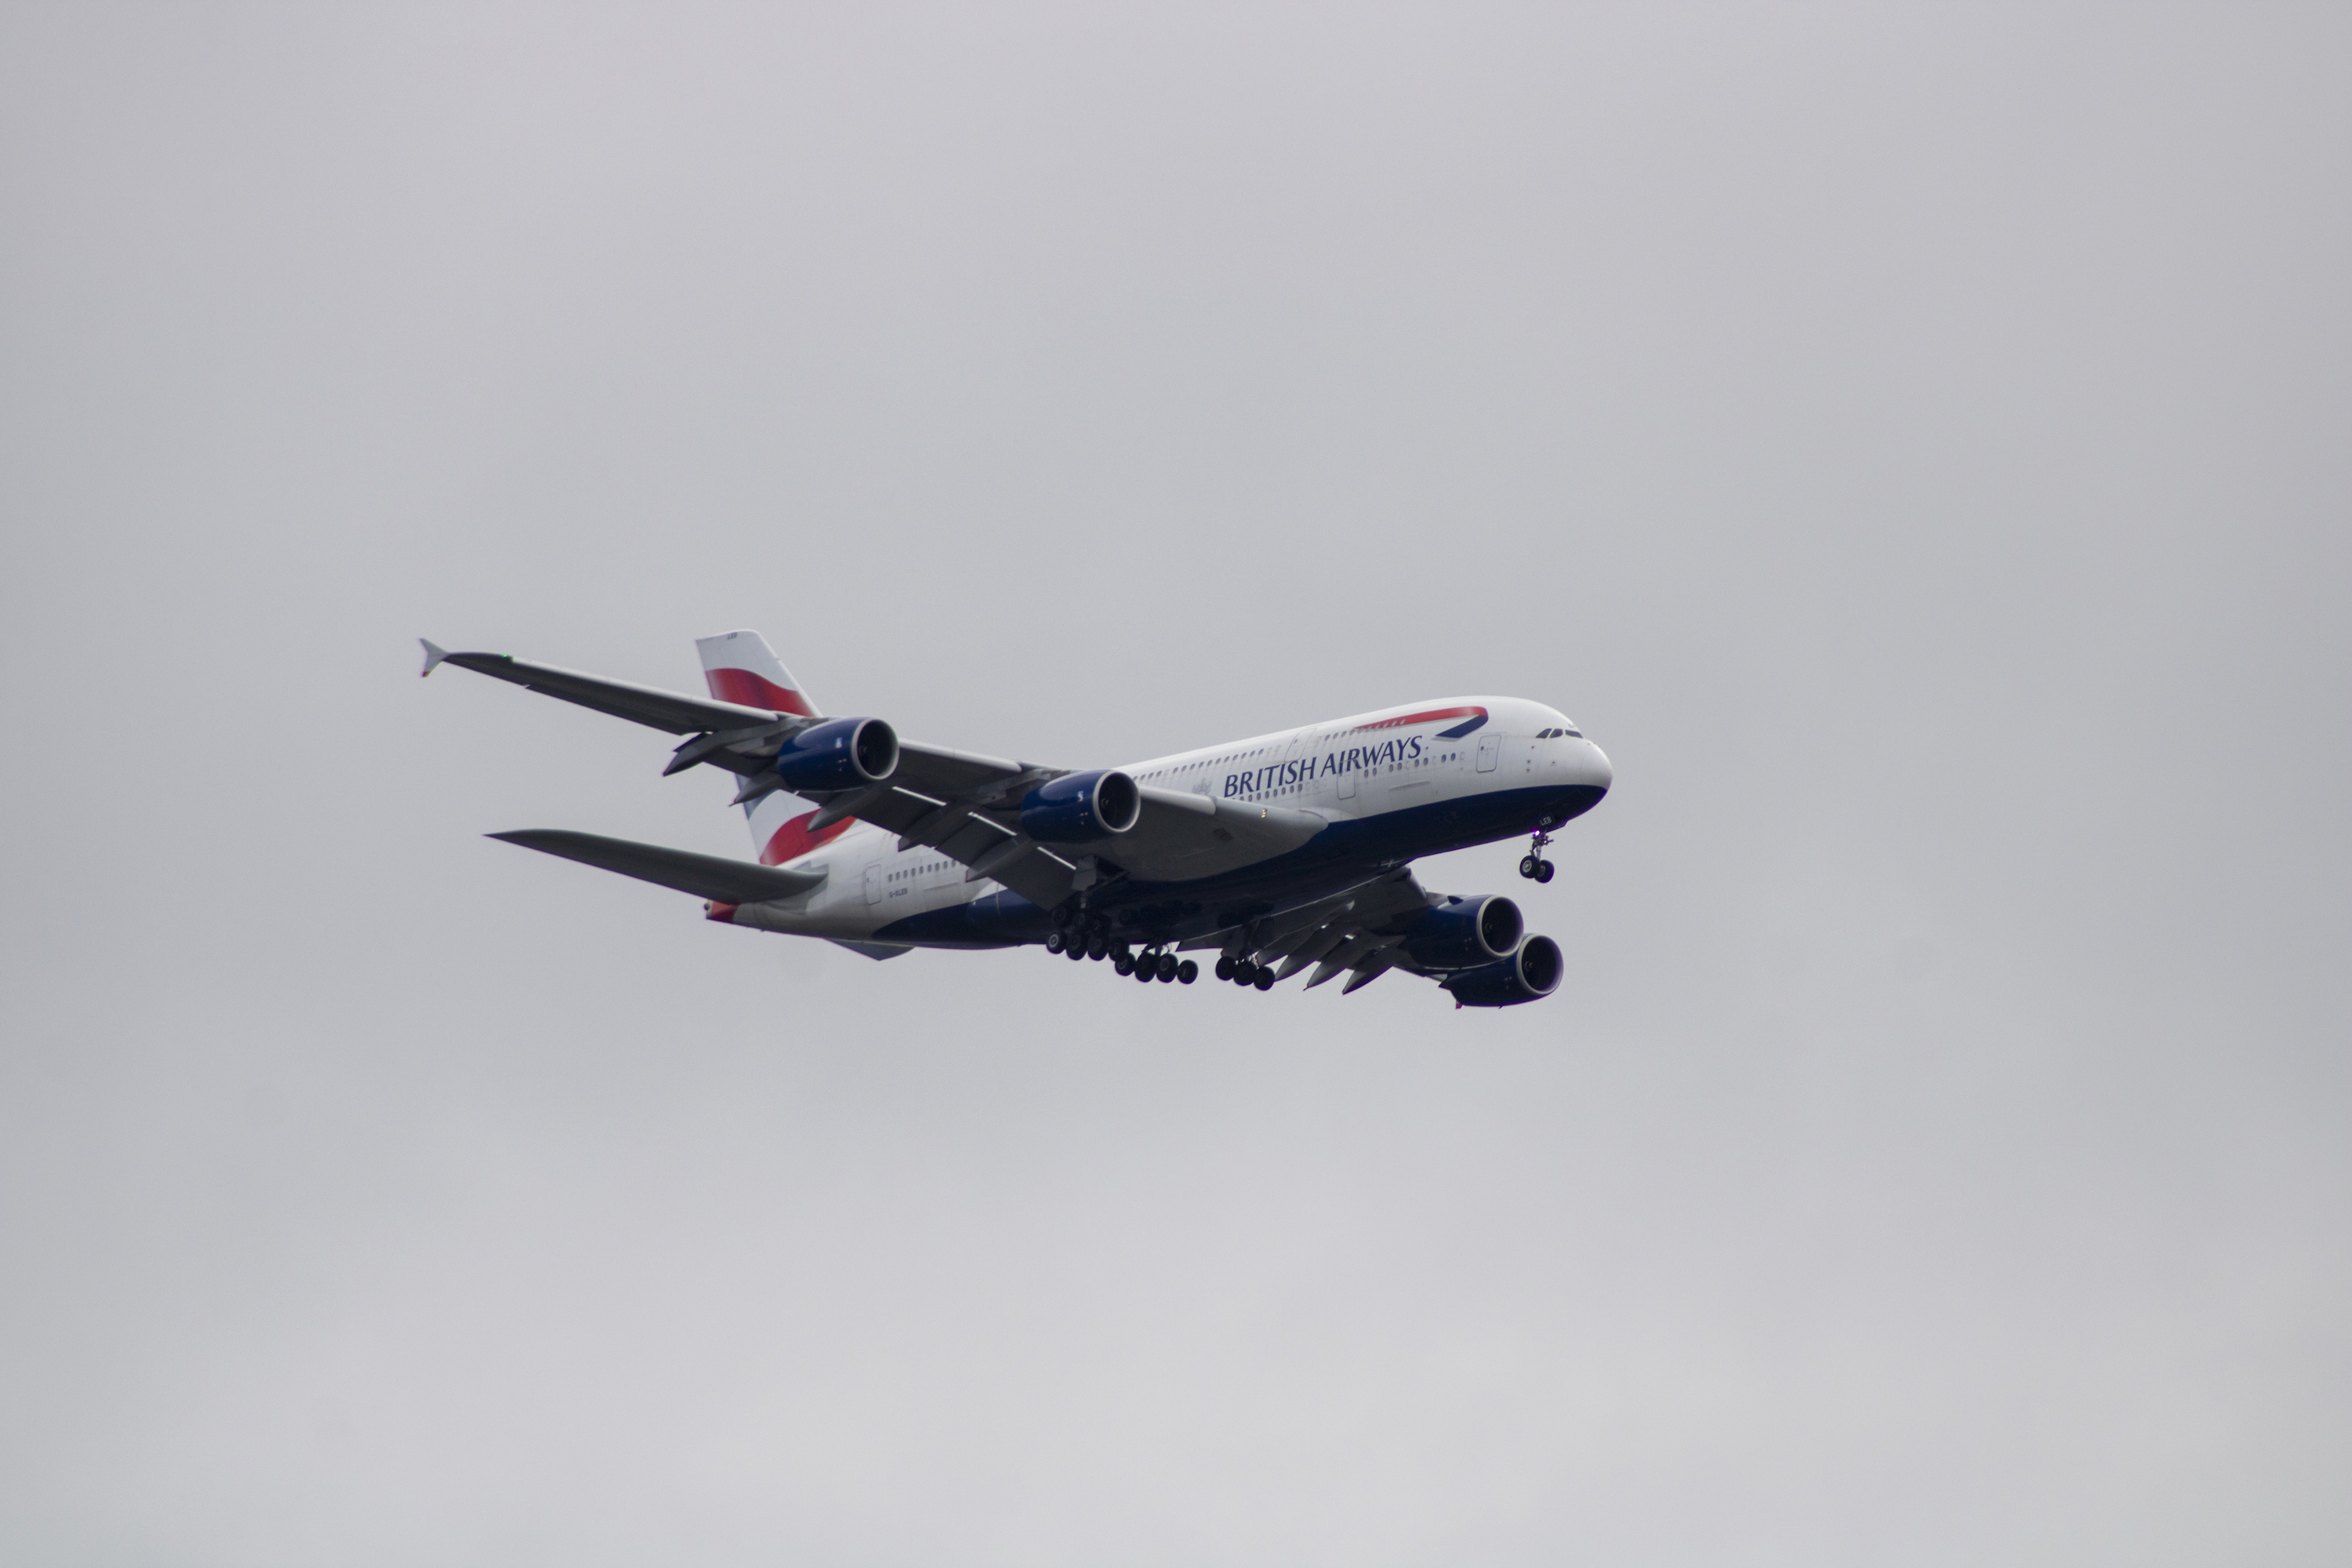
1207	762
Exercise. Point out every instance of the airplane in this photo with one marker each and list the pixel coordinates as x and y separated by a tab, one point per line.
1283	852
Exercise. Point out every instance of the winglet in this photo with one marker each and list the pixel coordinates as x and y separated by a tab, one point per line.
432	654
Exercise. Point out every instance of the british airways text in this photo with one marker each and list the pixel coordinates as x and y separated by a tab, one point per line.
1281	776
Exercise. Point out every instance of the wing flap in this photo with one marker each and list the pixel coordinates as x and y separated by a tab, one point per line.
1039	876
710	877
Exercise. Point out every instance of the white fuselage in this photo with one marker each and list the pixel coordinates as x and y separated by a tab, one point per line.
1356	769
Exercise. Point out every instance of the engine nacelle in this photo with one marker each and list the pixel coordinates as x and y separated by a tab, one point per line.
840	753
1527	975
1461	933
1078	807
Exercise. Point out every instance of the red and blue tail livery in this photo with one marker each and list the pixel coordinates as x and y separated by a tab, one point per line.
1282	854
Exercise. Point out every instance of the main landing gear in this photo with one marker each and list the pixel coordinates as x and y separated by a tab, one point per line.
1148	965
1247	975
1151	964
1534	867
1075	945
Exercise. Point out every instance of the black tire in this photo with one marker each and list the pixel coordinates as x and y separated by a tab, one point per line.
1543	871
1054	942
1123	964
1224	967
1096	947
1167	967
1264	980
1076	953
1528	868
1145	971
1187	972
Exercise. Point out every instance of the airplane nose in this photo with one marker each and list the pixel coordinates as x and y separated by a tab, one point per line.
1600	774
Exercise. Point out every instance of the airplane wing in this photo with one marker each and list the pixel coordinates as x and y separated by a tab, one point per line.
965	805
706	876
730	735
643	704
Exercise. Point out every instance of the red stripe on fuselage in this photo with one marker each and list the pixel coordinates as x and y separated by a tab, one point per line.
794	839
1430	717
742	685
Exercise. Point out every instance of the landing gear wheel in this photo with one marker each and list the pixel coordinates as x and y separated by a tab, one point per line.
1123	964
1224	967
1075	951
1264	980
1096	947
1187	972
1054	942
1535	867
1146	969
1167	967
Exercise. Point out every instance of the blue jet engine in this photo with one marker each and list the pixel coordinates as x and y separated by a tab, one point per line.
1078	808
1529	975
840	753
1461	933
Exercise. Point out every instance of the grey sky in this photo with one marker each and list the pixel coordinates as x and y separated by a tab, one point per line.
1911	441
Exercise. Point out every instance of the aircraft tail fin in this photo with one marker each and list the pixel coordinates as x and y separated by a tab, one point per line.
740	667
780	828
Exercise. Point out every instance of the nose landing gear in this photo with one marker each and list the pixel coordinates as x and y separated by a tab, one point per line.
1534	867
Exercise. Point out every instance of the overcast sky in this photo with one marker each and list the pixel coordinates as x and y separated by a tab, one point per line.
1911	440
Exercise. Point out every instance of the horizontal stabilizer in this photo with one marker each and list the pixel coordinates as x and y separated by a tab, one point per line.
706	876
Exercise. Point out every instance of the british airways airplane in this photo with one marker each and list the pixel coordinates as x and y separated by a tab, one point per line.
1283	853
